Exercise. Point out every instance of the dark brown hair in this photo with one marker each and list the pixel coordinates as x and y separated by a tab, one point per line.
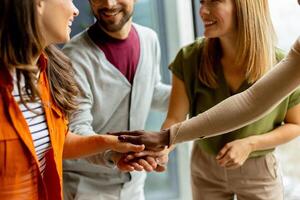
21	44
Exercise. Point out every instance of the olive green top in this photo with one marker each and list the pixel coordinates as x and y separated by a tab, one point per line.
201	98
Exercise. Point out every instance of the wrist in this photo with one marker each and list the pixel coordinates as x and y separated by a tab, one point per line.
253	143
108	141
165	137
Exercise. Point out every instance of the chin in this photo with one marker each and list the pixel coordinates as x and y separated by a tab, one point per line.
63	40
210	35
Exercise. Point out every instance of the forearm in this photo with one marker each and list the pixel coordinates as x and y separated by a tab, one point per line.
80	146
246	107
169	122
278	136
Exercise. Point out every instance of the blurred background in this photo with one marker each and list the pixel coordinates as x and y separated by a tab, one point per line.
177	23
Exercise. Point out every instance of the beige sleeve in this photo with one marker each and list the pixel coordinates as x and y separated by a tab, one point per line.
246	107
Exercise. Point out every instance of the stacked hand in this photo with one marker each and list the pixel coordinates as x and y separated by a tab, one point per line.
153	158
145	160
154	141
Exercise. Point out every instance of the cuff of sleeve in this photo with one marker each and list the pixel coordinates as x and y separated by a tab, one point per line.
108	159
182	132
174	130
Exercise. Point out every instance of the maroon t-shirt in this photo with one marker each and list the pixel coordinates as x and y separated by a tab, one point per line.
123	54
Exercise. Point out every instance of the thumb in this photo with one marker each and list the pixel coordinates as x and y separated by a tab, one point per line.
136	148
222	153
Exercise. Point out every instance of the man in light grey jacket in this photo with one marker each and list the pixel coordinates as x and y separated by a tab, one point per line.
117	69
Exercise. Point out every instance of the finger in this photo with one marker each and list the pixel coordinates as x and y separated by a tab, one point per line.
129	157
125	167
137	166
225	160
235	164
148	153
232	166
222	152
145	165
130	139
135	148
132	133
154	147
160	168
151	161
162	160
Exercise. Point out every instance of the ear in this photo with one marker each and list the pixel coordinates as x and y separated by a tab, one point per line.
40	4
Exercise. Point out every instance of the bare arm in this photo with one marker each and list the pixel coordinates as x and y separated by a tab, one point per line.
179	103
282	134
76	146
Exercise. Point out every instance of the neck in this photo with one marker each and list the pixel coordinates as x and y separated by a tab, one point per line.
123	33
229	49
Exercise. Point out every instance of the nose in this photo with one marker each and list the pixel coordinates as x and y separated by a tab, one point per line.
110	3
75	11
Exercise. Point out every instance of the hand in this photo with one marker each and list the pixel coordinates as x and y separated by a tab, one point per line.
235	153
161	158
154	141
123	147
147	163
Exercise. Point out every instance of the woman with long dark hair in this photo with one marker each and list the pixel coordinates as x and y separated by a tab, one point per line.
37	94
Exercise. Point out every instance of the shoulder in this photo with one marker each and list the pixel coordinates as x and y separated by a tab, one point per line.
192	50
279	54
78	39
80	49
145	32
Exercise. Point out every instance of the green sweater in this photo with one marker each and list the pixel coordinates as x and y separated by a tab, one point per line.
201	98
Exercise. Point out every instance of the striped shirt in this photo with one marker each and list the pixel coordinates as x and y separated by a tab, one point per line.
36	120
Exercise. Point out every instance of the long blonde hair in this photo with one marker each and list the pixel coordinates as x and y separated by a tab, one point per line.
256	42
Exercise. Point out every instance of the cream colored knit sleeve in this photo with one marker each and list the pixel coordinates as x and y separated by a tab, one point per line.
246	107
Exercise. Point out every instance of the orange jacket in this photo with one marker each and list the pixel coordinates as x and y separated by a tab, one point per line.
20	177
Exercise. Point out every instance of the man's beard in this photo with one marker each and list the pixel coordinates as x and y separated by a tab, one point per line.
110	26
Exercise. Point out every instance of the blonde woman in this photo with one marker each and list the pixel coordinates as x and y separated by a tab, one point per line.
238	49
